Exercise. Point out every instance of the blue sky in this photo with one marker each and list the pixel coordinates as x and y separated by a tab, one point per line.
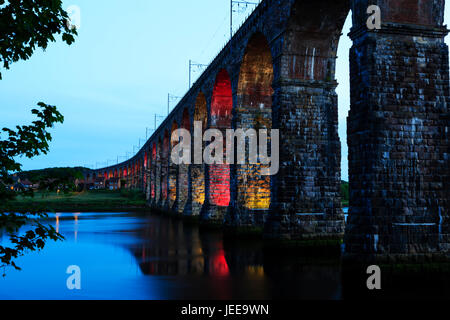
117	74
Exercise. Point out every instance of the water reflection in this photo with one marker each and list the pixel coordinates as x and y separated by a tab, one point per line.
170	248
235	269
142	256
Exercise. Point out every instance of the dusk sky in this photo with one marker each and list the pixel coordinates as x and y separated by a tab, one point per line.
116	76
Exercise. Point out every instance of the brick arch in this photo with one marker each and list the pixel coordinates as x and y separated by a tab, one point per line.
254	105
221	115
198	169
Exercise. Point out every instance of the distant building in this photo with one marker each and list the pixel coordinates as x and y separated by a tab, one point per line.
25	184
113	184
99	183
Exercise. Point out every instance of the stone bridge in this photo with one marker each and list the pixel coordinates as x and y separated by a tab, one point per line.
278	72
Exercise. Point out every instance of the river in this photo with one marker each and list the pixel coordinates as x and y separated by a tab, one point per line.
138	256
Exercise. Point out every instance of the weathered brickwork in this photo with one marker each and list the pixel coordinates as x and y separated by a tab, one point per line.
153	166
254	111
198	170
183	172
397	138
278	72
172	174
158	199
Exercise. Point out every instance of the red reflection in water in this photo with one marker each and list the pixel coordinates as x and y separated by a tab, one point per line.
219	265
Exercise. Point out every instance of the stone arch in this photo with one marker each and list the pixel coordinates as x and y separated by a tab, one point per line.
313	32
183	169
308	180
165	165
130	176
153	173
135	173
221	116
141	176
198	169
173	170
145	159
254	111
159	170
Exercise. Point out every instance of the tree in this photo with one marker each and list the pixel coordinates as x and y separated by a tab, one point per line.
24	26
52	179
27	24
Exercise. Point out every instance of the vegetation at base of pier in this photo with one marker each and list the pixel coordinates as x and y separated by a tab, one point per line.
93	200
345	193
25	26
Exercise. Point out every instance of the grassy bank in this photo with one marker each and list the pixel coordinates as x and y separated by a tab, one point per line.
96	200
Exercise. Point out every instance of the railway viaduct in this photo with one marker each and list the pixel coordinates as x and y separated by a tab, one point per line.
278	72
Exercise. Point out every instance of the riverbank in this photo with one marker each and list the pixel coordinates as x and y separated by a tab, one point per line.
86	201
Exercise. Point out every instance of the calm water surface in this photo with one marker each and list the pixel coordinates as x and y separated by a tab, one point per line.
136	256
133	256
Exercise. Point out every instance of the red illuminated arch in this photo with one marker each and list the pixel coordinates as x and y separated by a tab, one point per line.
221	113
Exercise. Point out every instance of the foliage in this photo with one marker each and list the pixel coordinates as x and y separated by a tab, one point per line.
24	26
28	141
344	191
52	179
